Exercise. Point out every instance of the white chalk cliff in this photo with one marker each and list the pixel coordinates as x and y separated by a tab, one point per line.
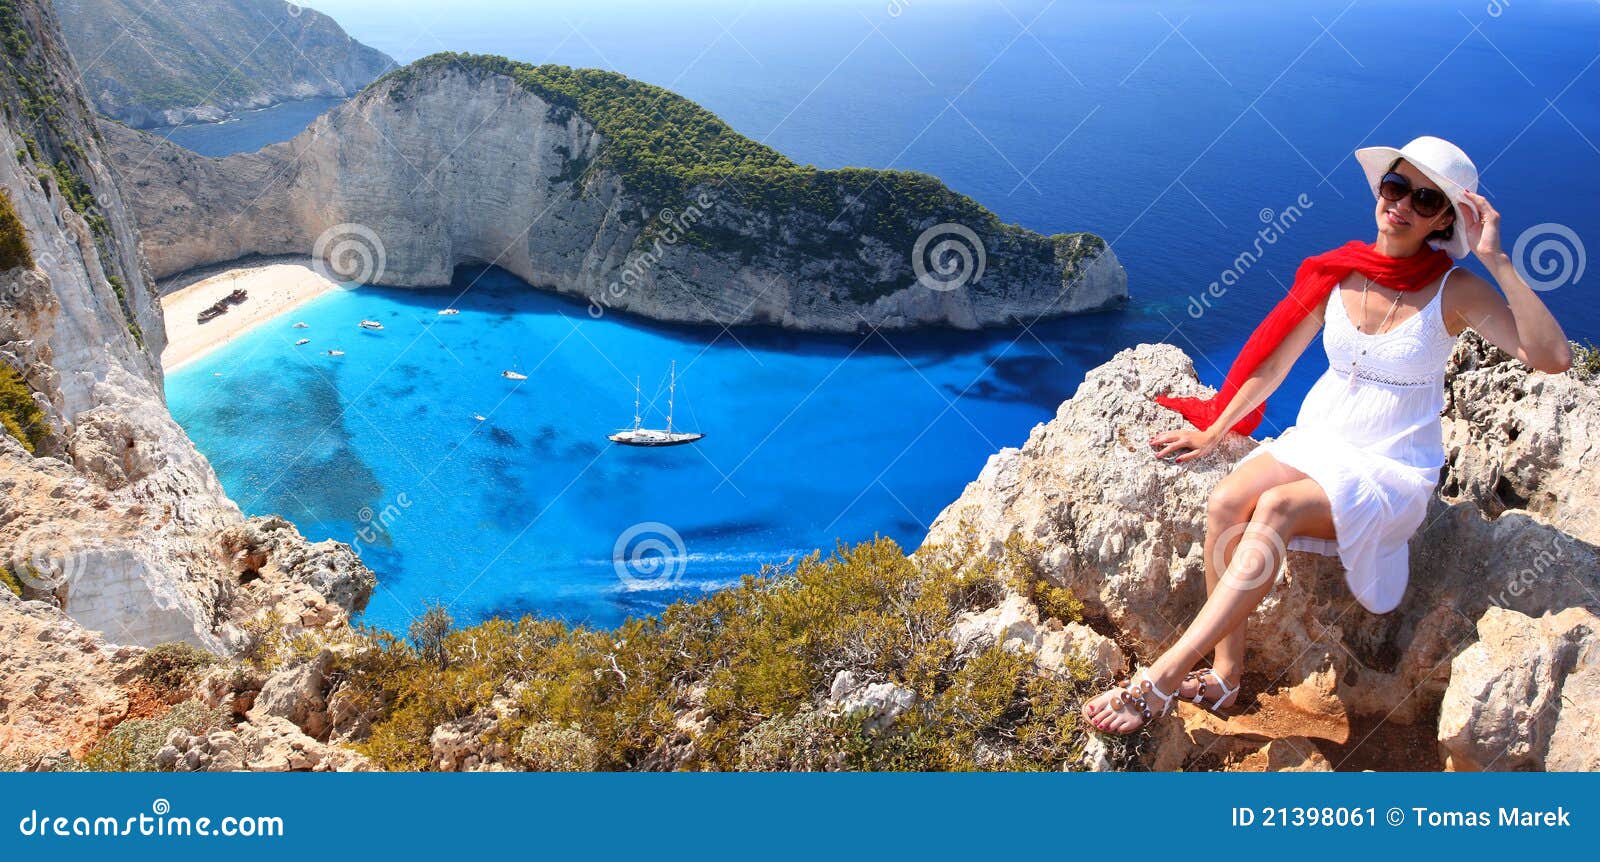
460	160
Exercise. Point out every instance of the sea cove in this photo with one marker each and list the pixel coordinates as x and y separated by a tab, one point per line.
809	439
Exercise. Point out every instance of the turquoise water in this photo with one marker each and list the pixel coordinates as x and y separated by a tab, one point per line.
1171	128
807	439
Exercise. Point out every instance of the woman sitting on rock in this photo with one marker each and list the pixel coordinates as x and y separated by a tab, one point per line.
1354	475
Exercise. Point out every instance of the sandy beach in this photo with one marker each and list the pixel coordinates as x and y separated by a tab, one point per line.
274	286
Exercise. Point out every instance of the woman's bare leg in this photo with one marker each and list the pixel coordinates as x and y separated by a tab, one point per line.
1298	508
1228	510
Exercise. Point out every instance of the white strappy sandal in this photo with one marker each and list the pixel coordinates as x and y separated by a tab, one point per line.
1134	695
1228	691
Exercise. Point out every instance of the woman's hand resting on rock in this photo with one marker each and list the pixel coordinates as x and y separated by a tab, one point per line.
1198	443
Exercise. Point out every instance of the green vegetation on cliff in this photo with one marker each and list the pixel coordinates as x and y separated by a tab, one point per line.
10	581
14	248
1586	360
751	664
19	414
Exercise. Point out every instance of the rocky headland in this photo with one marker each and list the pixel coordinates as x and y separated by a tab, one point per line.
169	62
617	192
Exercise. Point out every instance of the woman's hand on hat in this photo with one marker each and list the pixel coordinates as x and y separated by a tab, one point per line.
1481	221
1171	445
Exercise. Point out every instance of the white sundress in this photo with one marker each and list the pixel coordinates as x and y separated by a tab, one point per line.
1369	433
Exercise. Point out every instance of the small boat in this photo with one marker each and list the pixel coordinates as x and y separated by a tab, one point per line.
480	417
641	436
302	341
444	312
301	325
370	324
513	375
336	353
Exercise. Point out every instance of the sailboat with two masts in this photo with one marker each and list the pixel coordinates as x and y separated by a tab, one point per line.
639	435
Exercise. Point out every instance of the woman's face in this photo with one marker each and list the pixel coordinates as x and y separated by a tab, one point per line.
1399	221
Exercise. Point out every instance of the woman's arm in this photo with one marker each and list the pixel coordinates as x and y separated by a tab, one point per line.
1518	323
1267	377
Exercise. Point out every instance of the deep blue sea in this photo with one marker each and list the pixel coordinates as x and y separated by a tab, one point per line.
250	130
1175	130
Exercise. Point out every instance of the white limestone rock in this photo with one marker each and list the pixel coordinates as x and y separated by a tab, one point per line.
1526	695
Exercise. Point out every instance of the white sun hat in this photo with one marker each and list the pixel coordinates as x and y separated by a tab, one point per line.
1440	161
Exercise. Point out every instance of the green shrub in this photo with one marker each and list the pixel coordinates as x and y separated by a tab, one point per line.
171	665
428	633
73	188
1585	360
266	646
14	248
19	413
1029	580
132	745
805	741
755	661
549	747
10	581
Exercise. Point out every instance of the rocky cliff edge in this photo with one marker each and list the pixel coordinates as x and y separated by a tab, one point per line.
1493	652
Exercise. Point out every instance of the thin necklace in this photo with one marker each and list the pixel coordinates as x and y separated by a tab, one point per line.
1367	282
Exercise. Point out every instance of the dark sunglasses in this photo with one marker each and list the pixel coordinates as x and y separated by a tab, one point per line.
1427	202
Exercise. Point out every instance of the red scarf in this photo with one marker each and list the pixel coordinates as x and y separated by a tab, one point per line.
1315	279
